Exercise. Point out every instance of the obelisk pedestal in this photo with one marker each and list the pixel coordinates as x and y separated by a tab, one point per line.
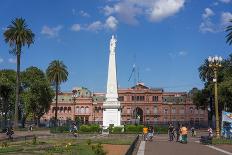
111	107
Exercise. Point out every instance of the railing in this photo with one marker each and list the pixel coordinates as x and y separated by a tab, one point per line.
132	146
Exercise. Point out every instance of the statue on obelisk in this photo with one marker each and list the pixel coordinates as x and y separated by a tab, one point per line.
112	112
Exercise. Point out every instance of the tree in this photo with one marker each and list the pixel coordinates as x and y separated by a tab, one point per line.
57	73
7	93
18	35
37	94
229	35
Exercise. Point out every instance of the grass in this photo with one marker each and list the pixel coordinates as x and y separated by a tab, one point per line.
61	145
222	141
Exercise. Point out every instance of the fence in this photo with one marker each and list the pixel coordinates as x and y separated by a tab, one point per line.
132	146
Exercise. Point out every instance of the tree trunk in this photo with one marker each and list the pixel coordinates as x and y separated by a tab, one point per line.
57	86
17	85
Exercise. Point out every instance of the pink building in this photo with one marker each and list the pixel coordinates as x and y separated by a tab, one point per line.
149	105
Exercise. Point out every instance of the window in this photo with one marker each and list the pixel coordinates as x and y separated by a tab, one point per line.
82	110
61	109
62	100
69	109
128	110
148	111
182	110
155	110
155	98
196	111
173	110
165	119
165	111
86	109
156	119
138	98
201	111
121	98
77	109
65	109
191	110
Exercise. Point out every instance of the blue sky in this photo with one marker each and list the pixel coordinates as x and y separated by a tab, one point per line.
167	39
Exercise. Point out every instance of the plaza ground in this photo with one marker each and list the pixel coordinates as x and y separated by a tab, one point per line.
161	146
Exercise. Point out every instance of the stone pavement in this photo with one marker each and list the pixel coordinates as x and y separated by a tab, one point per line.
161	146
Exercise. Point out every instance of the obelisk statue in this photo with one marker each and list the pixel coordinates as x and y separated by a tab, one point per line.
111	107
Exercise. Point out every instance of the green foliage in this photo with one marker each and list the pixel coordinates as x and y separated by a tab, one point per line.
161	129
95	128
224	79
117	130
5	144
134	128
34	140
59	129
37	93
221	141
229	35
89	142
98	149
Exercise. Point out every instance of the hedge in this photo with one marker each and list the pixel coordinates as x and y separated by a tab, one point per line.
134	128
59	129
90	128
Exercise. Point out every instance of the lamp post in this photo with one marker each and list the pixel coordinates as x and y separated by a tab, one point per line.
215	63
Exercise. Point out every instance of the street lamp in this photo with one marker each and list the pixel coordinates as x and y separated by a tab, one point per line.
215	63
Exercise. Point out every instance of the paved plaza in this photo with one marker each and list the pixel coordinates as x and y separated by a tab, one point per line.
161	146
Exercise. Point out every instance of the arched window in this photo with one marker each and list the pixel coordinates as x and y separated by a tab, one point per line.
82	110
65	109
61	109
69	109
86	109
77	110
53	109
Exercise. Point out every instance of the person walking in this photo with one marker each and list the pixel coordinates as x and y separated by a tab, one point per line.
171	132
150	133
178	132
184	134
145	131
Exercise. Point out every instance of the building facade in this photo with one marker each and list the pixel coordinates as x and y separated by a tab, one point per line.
138	104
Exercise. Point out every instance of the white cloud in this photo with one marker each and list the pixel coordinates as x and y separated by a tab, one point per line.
182	53
207	25
111	23
225	18
76	27
51	31
12	60
208	13
225	1
84	14
165	8
95	26
156	10
1	60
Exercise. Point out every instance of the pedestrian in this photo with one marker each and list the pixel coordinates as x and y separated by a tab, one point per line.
145	131
171	132
184	134
150	133
193	131
178	132
210	132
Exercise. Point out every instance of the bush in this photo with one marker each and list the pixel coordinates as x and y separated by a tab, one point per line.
134	128
90	128
85	128
117	130
160	129
59	129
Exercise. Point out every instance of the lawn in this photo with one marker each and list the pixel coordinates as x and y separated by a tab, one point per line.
62	145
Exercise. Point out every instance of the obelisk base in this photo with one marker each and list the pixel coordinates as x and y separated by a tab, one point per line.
111	115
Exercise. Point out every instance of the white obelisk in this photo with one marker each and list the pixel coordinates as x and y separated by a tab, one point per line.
111	107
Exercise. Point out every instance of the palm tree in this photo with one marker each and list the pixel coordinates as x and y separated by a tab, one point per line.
18	35
229	35
57	73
